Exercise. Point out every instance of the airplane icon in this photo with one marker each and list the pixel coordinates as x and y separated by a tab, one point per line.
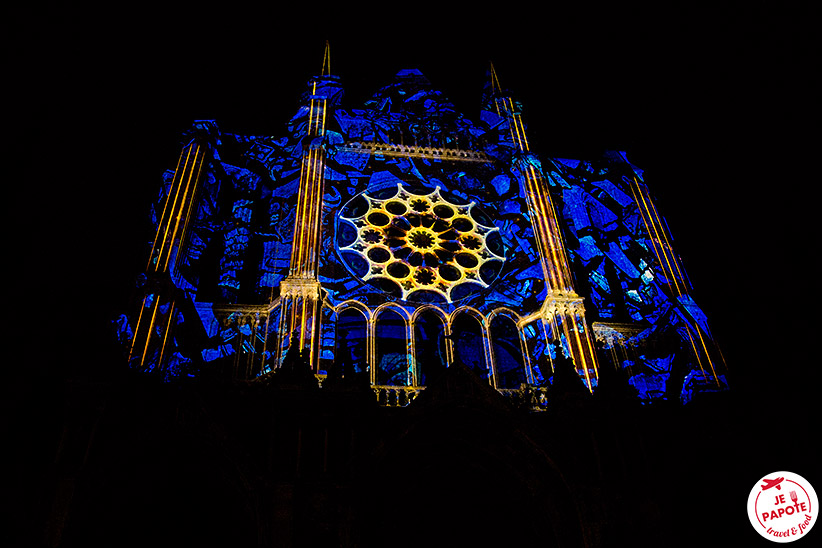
772	483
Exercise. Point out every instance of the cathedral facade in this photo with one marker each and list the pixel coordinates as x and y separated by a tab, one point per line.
385	242
392	325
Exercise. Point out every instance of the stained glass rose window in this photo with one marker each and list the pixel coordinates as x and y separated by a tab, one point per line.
420	246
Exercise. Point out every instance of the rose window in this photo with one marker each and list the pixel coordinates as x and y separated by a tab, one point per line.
420	246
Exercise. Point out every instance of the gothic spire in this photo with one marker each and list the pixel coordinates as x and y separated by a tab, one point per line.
326	70
495	87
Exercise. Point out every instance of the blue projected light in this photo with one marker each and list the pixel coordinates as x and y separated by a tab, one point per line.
392	240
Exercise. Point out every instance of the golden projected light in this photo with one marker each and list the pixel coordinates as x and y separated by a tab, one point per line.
177	209
409	242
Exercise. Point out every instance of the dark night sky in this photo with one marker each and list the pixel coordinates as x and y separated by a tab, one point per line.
708	101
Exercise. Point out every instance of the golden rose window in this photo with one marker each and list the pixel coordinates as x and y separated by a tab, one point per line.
420	247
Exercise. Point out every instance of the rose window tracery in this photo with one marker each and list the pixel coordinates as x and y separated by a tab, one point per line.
420	246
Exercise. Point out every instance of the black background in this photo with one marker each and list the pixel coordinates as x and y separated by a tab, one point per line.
714	102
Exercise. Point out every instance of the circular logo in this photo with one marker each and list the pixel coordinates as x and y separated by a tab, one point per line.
783	506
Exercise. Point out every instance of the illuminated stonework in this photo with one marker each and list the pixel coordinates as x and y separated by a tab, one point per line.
391	241
412	244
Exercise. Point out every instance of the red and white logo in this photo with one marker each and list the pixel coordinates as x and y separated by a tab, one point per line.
783	507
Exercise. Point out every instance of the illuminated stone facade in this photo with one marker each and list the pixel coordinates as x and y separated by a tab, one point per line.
389	241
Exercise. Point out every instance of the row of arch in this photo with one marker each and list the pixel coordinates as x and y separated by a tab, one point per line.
416	150
395	347
398	348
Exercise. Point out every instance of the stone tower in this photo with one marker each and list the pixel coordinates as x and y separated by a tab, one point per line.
391	240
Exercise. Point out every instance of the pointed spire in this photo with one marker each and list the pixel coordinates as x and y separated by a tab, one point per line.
495	87
326	70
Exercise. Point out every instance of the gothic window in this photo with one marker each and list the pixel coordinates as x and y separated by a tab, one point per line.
535	336
510	368
392	349
352	348
468	344
429	346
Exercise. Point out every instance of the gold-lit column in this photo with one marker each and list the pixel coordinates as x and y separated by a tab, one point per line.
676	280
450	351
300	291
156	317
582	344
410	375
171	228
659	240
562	303
412	354
550	244
299	318
371	346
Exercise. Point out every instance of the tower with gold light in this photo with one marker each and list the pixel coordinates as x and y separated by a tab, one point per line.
300	292
562	311
158	311
390	240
